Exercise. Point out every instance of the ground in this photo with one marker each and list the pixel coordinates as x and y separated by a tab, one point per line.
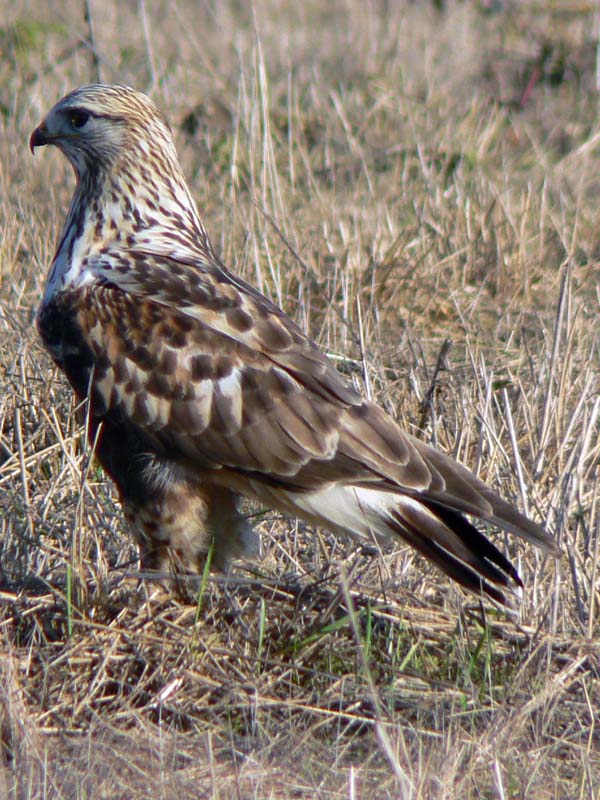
417	185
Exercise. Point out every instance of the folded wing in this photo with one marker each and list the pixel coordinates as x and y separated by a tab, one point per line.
208	371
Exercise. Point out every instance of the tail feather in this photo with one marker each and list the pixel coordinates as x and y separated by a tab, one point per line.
438	531
446	536
475	539
478	577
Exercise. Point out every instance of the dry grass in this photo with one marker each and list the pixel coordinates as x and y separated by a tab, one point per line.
394	175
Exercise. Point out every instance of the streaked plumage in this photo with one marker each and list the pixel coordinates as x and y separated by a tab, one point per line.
201	390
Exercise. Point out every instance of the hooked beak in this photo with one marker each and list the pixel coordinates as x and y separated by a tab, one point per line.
39	137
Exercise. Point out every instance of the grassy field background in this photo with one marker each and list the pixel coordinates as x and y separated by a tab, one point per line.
418	185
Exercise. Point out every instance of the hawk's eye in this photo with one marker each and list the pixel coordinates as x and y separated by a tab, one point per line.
79	118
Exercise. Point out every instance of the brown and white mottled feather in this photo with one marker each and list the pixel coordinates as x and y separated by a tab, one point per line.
201	390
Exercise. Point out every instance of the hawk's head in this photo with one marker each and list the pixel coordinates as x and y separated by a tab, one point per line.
130	184
95	125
